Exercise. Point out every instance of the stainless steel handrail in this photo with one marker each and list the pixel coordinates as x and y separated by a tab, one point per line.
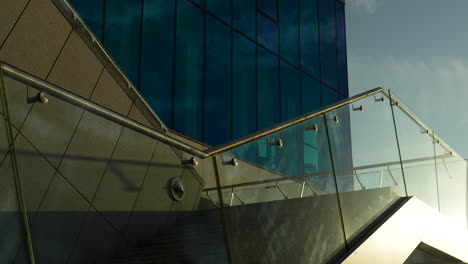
63	94
69	97
291	122
420	123
97	46
78	101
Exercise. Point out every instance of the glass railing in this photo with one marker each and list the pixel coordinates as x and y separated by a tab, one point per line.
320	182
96	184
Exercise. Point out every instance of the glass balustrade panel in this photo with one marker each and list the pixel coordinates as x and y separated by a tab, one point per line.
366	161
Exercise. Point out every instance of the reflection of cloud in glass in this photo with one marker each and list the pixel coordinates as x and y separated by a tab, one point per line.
367	6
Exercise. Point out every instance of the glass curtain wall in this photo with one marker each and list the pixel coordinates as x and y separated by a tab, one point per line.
218	70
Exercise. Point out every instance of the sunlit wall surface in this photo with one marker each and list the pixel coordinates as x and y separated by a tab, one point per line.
216	70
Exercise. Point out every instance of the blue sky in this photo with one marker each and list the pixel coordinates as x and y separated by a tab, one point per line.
419	50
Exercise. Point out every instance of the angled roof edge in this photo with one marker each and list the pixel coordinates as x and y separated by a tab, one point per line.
104	57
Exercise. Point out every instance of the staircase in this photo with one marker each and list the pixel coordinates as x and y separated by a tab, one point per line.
191	237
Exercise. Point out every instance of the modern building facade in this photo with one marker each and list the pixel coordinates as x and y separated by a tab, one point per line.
219	70
90	174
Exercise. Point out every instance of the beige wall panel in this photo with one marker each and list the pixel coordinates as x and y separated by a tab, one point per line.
77	69
109	94
9	14
37	38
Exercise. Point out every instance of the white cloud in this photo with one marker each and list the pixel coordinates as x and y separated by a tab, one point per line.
436	89
367	6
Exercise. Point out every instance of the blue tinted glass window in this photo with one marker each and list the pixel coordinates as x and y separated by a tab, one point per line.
267	33
309	37
157	56
329	96
200	3
217	127
289	30
122	35
290	92
220	8
328	42
244	82
292	151
269	7
244	16
92	12
341	42
268	89
310	94
188	88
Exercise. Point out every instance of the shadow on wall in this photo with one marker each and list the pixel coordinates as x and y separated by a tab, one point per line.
68	225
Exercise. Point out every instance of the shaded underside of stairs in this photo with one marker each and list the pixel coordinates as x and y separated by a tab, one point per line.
302	230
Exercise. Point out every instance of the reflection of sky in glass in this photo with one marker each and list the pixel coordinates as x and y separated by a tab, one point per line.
417	50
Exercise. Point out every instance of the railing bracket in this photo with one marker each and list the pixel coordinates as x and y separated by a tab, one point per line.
314	127
39	98
192	161
278	143
359	108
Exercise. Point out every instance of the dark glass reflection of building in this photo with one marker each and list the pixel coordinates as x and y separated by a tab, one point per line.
216	70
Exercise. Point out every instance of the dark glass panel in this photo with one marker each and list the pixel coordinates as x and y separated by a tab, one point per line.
269	7
122	35
268	89
217	121
260	215
290	92
198	2
341	42
309	37
244	16
289	30
267	33
329	96
328	42
188	88
220	8
157	57
244	81
92	12
310	94
292	151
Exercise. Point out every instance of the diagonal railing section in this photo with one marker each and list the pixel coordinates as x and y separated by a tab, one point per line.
311	186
